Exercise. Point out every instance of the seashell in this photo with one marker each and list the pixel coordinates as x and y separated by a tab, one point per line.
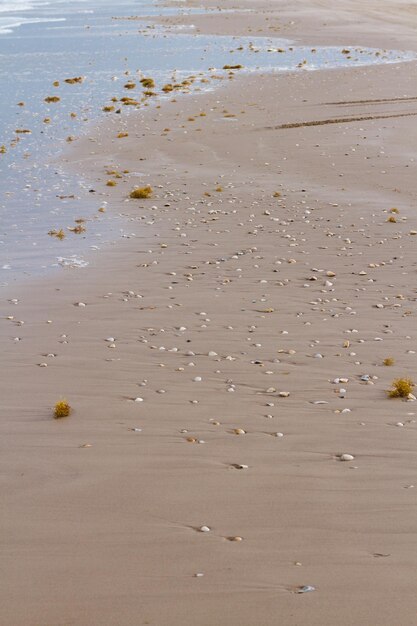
237	538
191	440
239	431
305	589
346	457
197	379
138	400
284	394
86	445
204	529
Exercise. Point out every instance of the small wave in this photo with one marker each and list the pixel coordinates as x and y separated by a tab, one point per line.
7	25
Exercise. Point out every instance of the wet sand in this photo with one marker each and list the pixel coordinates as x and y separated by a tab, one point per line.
262	270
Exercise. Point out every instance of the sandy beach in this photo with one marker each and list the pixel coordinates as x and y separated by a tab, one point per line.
225	353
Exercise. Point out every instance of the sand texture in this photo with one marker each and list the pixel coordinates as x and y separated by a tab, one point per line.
230	350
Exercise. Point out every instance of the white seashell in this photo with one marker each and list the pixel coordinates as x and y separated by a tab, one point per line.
138	399
204	529
346	457
305	589
284	394
197	379
110	339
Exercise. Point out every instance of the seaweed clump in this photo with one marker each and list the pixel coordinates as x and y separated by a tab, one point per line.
140	193
232	67
148	83
401	388
49	99
61	409
73	81
59	234
389	361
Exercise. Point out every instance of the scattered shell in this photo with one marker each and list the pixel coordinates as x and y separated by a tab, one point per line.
305	589
239	431
346	457
204	529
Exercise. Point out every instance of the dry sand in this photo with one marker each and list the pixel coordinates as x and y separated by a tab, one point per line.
217	302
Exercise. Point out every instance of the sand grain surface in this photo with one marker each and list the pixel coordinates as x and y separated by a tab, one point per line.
243	321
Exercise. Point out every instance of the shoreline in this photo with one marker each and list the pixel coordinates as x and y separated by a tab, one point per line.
271	282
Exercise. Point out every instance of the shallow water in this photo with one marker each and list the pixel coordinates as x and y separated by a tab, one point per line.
54	42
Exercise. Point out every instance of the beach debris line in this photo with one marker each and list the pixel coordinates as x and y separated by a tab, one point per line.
62	409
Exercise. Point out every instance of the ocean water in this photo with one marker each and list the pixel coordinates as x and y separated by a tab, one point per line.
43	42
